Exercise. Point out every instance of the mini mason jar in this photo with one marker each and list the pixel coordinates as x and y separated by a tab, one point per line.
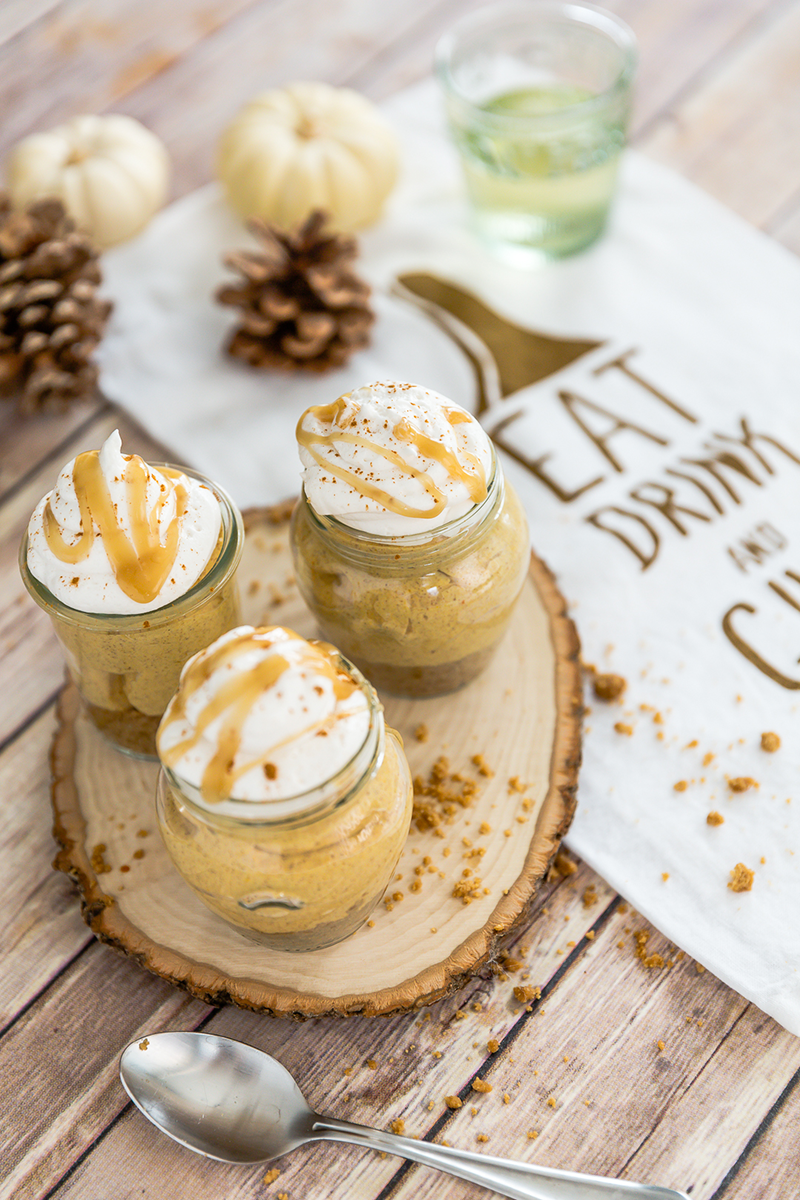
127	667
420	614
303	871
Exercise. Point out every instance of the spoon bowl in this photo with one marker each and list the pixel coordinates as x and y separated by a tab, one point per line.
232	1102
218	1097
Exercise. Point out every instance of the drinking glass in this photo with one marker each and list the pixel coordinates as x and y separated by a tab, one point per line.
538	99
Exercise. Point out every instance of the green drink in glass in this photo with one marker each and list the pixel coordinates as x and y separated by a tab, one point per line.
538	98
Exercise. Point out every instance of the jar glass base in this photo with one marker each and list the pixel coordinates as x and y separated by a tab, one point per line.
425	682
127	730
307	940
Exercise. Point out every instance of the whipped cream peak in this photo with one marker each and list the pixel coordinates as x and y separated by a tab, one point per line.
263	715
118	536
393	459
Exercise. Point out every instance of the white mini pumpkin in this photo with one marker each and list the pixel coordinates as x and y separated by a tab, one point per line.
307	146
111	173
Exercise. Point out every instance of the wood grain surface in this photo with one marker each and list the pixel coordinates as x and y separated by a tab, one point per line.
589	1086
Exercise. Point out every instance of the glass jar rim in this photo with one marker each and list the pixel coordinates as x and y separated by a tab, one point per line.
312	803
590	16
225	564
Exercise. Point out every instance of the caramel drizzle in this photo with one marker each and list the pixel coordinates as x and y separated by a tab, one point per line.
140	563
234	701
472	475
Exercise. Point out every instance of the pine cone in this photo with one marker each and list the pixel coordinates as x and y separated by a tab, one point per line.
50	317
301	304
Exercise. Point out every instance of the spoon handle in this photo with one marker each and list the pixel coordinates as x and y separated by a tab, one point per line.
520	1181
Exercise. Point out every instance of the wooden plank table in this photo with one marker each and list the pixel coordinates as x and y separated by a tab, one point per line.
578	1078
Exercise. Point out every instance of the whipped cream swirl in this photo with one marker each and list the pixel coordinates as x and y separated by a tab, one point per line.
117	536
393	459
262	714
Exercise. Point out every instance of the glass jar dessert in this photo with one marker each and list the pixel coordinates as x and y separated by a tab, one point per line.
419	610
284	801
159	543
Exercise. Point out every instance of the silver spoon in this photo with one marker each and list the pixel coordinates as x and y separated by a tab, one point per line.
232	1102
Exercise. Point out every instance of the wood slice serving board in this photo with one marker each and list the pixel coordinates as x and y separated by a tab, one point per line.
522	716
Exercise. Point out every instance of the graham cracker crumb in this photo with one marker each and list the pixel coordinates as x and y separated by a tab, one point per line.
680	786
480	1085
742	783
421	733
526	993
621	727
741	878
97	860
483	767
665	876
609	687
438	798
514	784
708	759
372	1064
398	1125
492	1045
715	818
481	1138
271	1175
467	889
551	1101
652	961
452	1102
660	1045
564	864
532	1133
699	968
770	742
589	935
589	896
